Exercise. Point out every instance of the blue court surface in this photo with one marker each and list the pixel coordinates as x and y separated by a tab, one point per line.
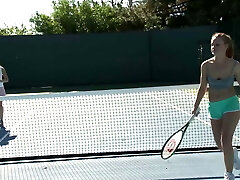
87	135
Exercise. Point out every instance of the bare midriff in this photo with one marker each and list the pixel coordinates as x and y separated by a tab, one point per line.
218	95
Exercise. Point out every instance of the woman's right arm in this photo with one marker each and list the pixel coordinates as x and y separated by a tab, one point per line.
5	76
203	86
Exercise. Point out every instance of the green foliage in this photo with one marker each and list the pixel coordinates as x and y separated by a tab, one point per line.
203	12
170	12
71	16
229	9
104	18
207	12
142	18
14	30
65	15
45	24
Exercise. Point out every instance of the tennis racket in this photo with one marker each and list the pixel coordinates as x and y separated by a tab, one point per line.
175	139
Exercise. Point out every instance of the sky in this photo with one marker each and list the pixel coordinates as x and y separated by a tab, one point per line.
17	12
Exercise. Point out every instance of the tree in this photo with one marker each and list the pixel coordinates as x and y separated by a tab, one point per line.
45	24
229	9
171	12
203	12
14	30
71	16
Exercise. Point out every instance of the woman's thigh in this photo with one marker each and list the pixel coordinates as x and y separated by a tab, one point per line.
229	124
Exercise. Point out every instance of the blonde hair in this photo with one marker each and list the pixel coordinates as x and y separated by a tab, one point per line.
227	40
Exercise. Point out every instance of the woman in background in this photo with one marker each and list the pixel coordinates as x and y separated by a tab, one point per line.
3	79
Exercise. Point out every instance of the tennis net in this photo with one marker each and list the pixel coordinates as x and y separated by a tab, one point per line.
103	121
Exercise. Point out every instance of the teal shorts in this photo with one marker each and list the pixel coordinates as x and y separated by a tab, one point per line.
217	109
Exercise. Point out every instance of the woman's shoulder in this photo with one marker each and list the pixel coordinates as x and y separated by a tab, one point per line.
237	64
206	62
235	61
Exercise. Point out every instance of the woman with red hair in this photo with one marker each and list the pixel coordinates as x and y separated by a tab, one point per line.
224	110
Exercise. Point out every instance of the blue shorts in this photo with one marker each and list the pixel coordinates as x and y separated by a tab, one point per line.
219	108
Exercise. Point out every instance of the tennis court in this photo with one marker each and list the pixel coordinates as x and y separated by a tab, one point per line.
107	134
181	166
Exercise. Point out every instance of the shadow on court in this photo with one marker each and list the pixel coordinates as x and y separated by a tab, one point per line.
5	136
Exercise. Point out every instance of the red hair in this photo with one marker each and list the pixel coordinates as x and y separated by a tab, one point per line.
227	40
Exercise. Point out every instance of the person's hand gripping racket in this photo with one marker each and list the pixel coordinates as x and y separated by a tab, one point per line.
175	139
